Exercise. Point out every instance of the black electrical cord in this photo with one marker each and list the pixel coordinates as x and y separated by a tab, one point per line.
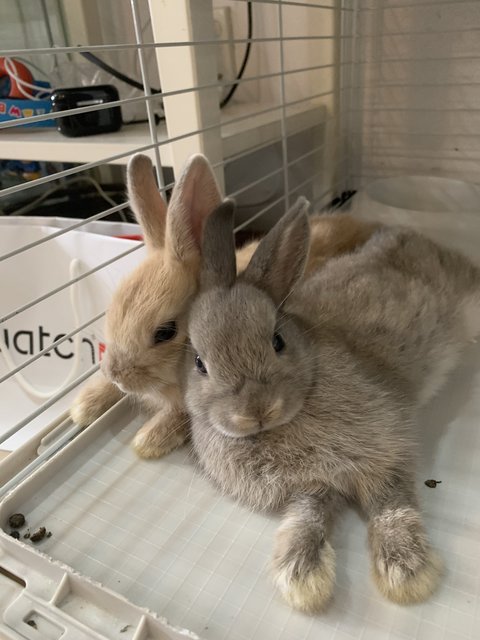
91	57
246	56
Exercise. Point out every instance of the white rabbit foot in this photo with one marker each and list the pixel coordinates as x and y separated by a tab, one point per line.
160	435
405	568
403	586
96	397
308	590
303	566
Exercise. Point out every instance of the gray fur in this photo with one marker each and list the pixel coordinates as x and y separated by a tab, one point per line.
219	266
284	255
369	338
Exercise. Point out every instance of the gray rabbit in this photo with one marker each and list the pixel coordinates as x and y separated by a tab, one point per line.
304	393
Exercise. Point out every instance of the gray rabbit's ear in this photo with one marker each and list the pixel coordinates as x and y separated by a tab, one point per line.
147	204
218	248
279	260
194	197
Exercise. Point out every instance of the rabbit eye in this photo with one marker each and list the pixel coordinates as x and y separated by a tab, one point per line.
200	366
166	332
278	342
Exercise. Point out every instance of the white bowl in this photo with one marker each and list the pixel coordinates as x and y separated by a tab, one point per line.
446	210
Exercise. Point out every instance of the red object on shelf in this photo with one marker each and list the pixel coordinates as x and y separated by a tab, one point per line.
21	71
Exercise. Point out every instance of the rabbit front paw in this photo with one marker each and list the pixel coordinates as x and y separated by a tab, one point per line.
405	568
165	431
304	569
96	397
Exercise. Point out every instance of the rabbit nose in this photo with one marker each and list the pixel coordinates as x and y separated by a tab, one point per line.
244	423
111	367
262	418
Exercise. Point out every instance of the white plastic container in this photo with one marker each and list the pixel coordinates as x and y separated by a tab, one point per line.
446	210
101	227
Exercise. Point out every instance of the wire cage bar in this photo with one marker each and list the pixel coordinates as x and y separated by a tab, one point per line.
191	125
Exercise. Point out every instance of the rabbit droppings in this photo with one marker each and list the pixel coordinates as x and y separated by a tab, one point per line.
146	322
303	394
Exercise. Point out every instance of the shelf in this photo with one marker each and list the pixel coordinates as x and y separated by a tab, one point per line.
49	145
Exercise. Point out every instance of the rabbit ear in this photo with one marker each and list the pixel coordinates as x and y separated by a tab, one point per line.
280	258
148	205
194	197
218	248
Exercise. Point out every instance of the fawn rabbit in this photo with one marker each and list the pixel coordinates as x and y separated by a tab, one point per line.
303	393
146	322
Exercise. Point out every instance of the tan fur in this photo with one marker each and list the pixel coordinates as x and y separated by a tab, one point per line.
158	291
334	235
94	399
165	431
161	289
244	254
144	196
331	235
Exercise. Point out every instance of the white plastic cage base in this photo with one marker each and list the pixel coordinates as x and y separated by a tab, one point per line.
158	534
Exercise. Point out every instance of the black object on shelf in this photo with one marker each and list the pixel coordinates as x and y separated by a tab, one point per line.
91	122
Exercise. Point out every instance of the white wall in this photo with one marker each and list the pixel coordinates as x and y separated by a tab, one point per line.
22	24
419	77
265	57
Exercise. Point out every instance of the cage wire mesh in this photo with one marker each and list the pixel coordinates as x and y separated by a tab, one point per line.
269	124
285	98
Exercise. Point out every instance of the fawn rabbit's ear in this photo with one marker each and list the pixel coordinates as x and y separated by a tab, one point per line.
279	260
218	248
148	205
194	197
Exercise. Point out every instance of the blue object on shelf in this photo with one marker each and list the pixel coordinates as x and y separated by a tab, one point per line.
16	108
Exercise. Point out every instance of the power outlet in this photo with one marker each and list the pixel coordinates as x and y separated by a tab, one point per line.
226	65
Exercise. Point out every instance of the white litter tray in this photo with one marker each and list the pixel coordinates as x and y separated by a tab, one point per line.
156	536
